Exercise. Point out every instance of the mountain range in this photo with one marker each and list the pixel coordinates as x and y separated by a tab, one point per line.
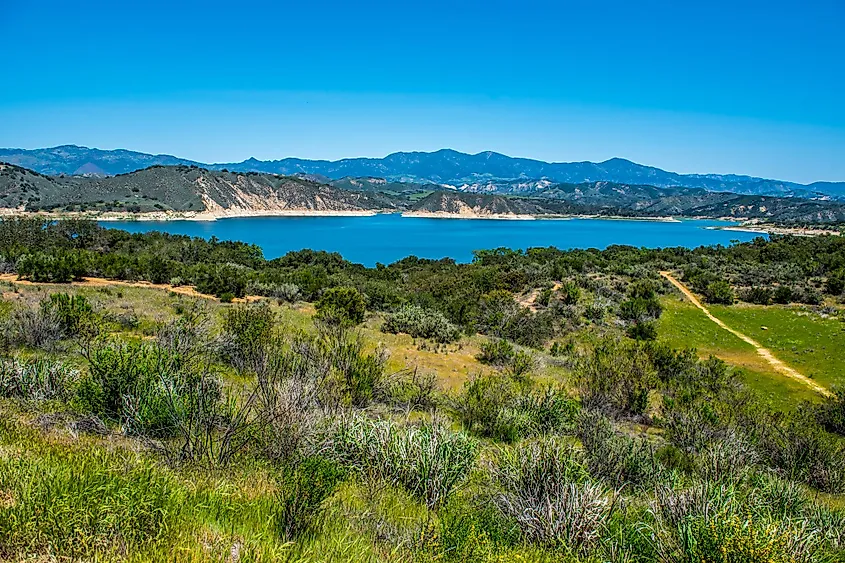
192	190
486	171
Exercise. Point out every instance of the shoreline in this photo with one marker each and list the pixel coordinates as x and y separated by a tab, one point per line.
775	230
218	214
199	216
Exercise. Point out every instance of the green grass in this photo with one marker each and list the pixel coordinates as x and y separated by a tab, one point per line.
682	325
808	342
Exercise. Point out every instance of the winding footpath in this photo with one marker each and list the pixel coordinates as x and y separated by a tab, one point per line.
765	353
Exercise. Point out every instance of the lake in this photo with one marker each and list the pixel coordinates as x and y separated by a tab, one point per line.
386	238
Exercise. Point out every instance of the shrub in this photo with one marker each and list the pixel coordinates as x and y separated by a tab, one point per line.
616	378
783	295
497	406
615	457
421	323
55	267
569	293
496	352
247	331
831	413
36	379
36	329
646	330
429	461
758	295
220	279
73	312
545	490
342	305
835	283
128	380
719	292
289	292
300	495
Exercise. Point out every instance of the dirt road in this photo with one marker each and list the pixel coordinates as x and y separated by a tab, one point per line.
765	353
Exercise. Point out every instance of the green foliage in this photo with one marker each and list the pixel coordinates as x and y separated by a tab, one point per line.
569	293
429	461
342	305
421	323
504	408
645	330
617	458
835	283
300	495
758	295
831	413
55	267
719	292
616	377
221	280
247	331
496	352
783	295
73	312
36	379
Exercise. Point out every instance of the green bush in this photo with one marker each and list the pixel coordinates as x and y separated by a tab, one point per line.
502	408
835	283
496	352
342	305
569	293
300	495
645	330
247	331
719	292
421	323
783	295
758	295
55	267
73	312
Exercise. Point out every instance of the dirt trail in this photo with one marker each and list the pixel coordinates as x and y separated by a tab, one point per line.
187	290
765	353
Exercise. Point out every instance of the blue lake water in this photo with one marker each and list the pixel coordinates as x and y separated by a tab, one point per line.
386	238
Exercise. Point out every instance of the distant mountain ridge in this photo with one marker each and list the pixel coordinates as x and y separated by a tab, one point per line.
191	191
444	167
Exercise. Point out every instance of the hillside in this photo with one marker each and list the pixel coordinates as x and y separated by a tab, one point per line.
179	188
440	167
603	198
192	190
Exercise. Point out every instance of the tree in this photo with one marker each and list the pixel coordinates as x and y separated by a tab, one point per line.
342	305
719	292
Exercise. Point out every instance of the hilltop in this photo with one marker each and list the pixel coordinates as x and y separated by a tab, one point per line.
180	189
445	167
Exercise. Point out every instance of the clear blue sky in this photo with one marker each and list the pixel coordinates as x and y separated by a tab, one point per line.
720	86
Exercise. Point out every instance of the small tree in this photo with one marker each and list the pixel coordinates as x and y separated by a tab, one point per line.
719	292
342	305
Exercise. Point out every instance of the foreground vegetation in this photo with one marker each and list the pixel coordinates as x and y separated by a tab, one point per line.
535	406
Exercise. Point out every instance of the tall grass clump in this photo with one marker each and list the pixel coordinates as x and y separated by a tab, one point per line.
428	460
545	489
36	379
421	323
